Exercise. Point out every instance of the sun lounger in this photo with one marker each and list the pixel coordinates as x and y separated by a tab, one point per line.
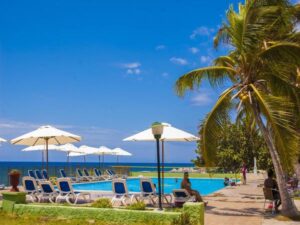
111	174
81	176
181	196
31	173
30	187
98	174
64	175
148	191
39	176
67	193
121	193
45	174
2	186
48	192
87	174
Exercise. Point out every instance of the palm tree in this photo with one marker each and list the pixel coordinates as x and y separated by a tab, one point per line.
262	71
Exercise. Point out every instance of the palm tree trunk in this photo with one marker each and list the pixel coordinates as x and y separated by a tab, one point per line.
288	206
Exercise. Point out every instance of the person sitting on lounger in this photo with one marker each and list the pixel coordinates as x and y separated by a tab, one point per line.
271	183
186	184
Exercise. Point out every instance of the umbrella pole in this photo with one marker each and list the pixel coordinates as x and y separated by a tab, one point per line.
163	166
47	166
43	152
99	157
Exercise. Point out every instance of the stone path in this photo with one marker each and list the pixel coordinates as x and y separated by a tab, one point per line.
241	205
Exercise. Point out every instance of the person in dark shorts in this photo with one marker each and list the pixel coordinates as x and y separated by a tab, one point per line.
186	184
271	183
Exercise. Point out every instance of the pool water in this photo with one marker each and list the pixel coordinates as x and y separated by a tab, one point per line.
204	186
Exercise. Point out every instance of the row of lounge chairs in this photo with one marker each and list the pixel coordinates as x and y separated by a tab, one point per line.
44	190
81	175
39	191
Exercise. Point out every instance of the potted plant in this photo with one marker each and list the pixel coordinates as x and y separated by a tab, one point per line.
14	176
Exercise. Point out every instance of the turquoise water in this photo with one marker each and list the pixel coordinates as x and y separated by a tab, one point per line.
204	186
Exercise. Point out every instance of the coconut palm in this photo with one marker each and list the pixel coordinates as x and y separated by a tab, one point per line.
262	74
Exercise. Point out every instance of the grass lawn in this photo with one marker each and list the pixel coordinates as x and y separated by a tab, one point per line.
192	175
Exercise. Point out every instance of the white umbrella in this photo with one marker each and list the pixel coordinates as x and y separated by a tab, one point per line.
169	134
102	150
120	152
46	135
40	148
69	148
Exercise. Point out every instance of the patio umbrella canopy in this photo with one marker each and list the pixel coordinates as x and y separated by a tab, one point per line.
169	134
102	150
120	152
46	135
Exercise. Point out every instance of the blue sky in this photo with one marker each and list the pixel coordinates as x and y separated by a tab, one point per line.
104	70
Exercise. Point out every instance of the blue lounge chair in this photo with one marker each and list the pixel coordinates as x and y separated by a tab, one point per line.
87	175
31	174
98	174
148	191
121	193
39	176
64	175
45	174
30	187
111	174
67	193
48	192
181	196
81	176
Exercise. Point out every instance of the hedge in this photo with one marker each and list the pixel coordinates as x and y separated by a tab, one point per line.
118	216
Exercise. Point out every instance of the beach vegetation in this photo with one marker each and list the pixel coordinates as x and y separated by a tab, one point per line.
261	77
102	203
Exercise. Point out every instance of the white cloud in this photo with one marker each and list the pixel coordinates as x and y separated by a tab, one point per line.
193	50
205	59
160	47
179	61
131	65
201	99
201	31
132	68
91	134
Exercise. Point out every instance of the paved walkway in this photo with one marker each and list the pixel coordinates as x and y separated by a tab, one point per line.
241	205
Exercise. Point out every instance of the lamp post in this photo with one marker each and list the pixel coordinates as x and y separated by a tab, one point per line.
157	130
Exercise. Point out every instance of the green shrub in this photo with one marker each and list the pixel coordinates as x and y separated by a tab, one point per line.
102	203
183	219
137	206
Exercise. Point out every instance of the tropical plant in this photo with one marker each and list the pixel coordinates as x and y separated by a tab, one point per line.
238	143
262	69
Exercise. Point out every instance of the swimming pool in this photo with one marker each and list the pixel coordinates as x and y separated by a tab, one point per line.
204	186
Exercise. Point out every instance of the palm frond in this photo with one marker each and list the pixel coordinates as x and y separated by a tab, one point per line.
281	52
216	75
279	114
212	125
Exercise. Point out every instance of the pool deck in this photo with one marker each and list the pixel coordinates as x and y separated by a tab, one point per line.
241	205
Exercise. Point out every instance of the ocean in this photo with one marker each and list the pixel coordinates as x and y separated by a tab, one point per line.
54	167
